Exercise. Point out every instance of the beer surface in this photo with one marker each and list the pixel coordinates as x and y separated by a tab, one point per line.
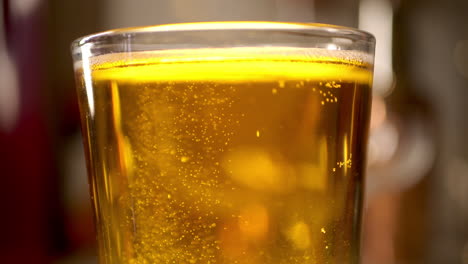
242	155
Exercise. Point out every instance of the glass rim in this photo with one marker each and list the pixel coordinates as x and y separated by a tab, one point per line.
341	31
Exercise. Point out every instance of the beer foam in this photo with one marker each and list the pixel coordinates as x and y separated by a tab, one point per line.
357	58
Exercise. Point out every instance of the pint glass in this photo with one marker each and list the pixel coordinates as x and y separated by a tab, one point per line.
226	142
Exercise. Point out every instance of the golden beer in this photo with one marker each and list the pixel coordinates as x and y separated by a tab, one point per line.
228	155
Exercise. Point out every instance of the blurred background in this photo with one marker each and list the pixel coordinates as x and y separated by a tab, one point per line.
417	180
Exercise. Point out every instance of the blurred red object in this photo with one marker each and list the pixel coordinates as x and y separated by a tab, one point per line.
29	176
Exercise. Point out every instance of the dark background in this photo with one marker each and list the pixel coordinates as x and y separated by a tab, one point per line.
417	190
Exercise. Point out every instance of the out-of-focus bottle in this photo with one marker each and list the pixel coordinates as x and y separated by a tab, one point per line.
417	203
29	205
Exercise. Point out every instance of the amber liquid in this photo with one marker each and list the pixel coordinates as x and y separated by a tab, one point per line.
236	157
